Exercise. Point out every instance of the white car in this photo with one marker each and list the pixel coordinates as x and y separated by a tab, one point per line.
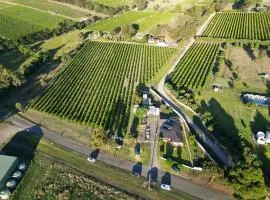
5	194
165	187
90	159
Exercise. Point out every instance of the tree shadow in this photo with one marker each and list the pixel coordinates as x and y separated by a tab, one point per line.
229	64
133	128
94	154
137	168
153	174
249	52
224	129
166	178
117	120
31	88
24	143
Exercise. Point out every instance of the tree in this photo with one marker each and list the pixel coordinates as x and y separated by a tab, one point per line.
139	4
99	137
19	106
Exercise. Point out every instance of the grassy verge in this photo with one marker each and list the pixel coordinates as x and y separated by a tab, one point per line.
112	175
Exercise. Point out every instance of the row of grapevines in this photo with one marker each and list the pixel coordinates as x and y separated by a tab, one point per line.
96	87
192	71
240	25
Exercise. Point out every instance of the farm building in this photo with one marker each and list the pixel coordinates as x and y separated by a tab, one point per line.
7	167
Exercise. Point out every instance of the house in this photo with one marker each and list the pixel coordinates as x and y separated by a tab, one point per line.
162	44
8	164
173	136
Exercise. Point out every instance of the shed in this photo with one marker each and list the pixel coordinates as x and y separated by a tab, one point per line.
260	135
267	137
7	167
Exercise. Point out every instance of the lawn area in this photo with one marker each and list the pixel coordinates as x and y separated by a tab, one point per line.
4	5
55	8
146	20
26	21
51	163
63	44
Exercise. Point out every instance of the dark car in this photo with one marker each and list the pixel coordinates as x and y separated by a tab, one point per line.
169	123
176	169
168	128
172	121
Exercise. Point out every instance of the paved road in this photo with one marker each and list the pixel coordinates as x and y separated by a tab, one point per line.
177	182
209	142
212	146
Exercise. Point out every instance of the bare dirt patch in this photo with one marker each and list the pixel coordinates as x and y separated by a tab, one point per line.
245	64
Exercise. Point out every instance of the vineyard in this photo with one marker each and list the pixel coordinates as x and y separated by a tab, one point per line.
17	21
51	6
194	69
255	26
97	86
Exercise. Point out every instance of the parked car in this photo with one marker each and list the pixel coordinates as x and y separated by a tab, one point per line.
171	121
168	128
165	187
17	175
22	167
5	194
137	174
11	184
91	159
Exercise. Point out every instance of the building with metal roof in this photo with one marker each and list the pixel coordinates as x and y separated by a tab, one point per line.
8	165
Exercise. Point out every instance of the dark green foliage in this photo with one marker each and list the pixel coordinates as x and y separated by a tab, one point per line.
92	5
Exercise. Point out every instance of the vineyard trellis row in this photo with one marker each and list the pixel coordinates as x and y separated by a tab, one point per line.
96	87
192	72
239	25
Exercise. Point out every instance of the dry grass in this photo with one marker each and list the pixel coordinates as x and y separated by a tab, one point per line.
243	66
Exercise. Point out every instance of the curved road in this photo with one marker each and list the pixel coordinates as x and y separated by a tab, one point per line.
178	183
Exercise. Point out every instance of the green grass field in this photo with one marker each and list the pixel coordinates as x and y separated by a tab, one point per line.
17	21
115	3
146	21
53	7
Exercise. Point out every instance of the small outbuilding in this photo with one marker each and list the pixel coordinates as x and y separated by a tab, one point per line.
267	137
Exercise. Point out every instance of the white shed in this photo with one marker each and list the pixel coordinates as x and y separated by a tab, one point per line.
267	137
260	135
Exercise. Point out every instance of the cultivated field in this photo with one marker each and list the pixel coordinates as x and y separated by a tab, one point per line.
17	21
55	8
97	86
146	20
194	69
240	25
